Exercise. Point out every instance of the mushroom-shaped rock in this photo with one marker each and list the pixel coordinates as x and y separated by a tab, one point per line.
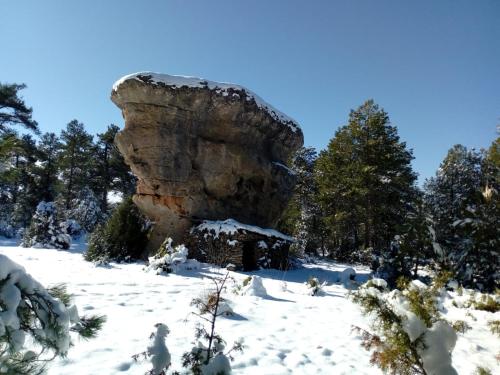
204	150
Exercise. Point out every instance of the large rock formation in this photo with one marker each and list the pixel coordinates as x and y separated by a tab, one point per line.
204	150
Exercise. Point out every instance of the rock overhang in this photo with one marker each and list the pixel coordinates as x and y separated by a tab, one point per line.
204	150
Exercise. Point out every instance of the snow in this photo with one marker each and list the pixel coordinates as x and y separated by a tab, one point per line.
255	288
286	332
158	351
114	197
439	341
231	226
223	89
289	170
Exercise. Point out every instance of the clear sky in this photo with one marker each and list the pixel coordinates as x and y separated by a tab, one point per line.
434	66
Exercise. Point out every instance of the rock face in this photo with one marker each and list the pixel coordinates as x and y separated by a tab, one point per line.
203	150
244	246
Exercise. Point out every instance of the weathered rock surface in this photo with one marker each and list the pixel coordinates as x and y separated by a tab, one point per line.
246	247
204	150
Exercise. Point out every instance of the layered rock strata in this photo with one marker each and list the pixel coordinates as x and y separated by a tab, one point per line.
203	150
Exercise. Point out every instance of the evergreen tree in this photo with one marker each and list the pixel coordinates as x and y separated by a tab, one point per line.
112	172
45	231
464	201
416	236
28	193
86	210
13	110
364	180
122	237
76	160
308	227
18	179
449	194
49	149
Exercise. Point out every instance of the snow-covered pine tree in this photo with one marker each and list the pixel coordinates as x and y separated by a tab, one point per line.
207	357
44	315
464	203
86	210
409	337
45	230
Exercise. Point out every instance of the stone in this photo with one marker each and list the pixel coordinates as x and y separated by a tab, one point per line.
203	150
241	246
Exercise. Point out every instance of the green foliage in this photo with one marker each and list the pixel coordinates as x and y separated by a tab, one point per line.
111	171
394	351
315	286
124	236
494	327
76	160
209	343
486	303
480	370
364	180
461	326
43	320
464	201
13	110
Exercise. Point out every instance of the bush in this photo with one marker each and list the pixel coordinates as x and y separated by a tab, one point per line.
410	337
314	286
169	259
45	316
485	303
45	231
124	236
494	327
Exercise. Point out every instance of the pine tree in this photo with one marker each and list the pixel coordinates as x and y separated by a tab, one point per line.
308	224
464	201
86	210
28	193
45	230
36	315
416	236
112	172
49	149
13	110
75	160
364	180
122	237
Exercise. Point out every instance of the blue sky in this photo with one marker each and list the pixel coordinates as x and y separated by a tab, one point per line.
434	66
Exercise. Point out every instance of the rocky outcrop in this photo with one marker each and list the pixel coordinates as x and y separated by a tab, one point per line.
204	150
245	247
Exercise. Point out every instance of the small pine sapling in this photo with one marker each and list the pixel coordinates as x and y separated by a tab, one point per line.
157	352
44	315
410	336
314	286
208	356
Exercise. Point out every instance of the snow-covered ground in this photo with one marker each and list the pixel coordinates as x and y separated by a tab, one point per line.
286	332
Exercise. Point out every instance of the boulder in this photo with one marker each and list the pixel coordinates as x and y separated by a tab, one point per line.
203	150
244	247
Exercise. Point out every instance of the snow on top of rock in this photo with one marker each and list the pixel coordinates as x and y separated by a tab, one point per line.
219	87
281	165
231	226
